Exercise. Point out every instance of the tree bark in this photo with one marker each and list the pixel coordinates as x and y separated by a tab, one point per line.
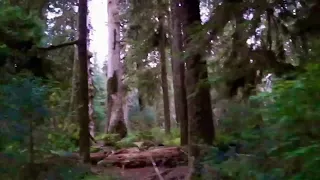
115	123
91	98
178	72
201	128
83	89
164	79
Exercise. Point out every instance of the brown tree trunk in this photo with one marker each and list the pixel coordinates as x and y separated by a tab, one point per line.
178	70
83	89
201	129
164	79
115	123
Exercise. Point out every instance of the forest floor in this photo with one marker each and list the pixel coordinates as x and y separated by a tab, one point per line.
158	163
132	163
144	173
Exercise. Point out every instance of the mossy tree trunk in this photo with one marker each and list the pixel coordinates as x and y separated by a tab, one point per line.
163	62
83	86
201	128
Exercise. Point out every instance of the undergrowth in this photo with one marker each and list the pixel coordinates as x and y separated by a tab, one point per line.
277	140
155	135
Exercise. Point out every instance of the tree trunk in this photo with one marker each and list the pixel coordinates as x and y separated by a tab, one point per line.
178	69
91	97
115	89
139	63
201	129
164	79
140	98
91	88
73	109
83	89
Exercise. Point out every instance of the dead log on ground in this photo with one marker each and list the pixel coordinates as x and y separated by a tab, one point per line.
164	156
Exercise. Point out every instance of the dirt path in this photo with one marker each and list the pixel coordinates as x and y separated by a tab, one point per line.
146	173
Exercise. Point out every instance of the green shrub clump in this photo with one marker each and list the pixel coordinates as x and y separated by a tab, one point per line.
283	141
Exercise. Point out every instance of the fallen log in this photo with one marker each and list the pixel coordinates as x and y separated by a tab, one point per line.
127	151
98	156
162	156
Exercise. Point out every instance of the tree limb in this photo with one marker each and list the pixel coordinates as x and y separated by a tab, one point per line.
53	47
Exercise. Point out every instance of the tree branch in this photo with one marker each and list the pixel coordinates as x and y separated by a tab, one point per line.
53	47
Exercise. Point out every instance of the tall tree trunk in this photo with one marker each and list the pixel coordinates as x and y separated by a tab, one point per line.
91	87
91	97
74	102
201	129
74	89
115	103
164	79
178	70
140	65
140	98
73	109
83	90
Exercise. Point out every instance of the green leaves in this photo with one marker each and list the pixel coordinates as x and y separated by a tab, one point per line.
293	112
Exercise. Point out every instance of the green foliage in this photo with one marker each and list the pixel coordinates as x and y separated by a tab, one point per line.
20	33
128	141
26	100
160	136
61	141
108	139
20	26
99	98
101	177
295	117
21	100
155	135
286	143
142	120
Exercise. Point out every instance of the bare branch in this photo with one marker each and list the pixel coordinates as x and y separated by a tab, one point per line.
53	47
